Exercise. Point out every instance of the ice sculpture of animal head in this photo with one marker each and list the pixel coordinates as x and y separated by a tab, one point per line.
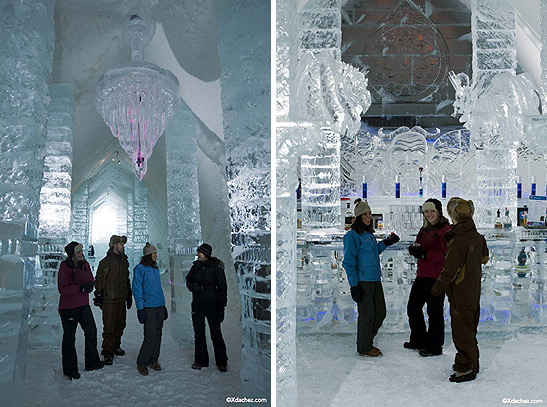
408	152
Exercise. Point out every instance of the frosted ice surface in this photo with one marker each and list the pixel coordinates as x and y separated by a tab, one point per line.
182	214
244	34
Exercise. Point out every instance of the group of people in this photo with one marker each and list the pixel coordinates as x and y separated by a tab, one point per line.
114	295
449	262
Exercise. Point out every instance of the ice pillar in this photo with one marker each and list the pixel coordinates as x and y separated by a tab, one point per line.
79	226
54	230
183	217
244	50
26	50
494	53
137	235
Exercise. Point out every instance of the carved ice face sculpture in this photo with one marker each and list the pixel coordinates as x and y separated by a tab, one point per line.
408	153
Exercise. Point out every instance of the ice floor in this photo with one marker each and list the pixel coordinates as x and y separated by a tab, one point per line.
330	373
121	385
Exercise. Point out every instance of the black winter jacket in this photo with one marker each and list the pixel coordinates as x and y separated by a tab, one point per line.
207	282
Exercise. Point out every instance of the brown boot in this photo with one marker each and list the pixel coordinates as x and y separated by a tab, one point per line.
155	366
143	370
373	353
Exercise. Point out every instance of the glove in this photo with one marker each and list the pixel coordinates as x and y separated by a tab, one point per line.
98	299
415	251
129	300
141	316
165	315
357	293
220	314
87	287
391	239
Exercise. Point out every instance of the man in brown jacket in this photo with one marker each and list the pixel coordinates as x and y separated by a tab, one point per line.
113	294
461	281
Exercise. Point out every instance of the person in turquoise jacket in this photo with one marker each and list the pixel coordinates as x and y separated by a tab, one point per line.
362	265
151	310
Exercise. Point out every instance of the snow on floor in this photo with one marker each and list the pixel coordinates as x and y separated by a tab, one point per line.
330	373
121	385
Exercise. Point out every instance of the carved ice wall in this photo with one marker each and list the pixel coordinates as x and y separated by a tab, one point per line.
27	32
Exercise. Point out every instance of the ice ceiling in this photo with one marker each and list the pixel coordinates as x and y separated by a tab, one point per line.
88	41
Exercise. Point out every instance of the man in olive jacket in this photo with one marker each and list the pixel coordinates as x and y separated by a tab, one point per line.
113	294
461	281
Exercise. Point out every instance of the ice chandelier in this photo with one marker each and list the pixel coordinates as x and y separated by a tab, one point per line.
137	100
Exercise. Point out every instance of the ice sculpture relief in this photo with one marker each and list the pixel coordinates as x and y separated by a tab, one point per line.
407	56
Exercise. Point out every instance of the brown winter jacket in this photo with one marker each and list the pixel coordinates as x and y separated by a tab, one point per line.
461	275
112	278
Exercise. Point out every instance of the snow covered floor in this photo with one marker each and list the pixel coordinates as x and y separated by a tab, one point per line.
121	385
330	373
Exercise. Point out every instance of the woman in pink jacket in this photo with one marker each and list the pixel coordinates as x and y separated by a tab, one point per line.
430	248
75	282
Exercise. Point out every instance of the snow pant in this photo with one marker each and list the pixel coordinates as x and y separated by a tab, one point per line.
150	348
420	294
70	319
465	320
372	312
113	325
201	357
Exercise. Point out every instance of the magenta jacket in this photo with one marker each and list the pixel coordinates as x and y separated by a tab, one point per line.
436	245
69	281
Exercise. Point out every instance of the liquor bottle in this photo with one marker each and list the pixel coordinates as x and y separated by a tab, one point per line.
348	217
443	187
365	189
421	190
519	187
397	187
533	186
498	224
506	220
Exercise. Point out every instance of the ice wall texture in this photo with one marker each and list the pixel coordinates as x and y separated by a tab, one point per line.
183	217
26	51
244	50
57	179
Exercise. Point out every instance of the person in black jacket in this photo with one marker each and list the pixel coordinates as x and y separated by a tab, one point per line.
207	282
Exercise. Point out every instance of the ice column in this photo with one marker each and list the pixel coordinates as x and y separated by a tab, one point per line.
244	50
26	51
183	215
54	217
494	53
313	91
138	236
79	227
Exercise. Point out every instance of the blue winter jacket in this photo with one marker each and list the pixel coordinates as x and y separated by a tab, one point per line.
362	257
146	287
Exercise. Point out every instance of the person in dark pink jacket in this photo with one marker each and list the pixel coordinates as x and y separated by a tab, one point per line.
430	248
75	282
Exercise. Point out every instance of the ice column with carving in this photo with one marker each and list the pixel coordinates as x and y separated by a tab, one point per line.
312	92
244	50
183	218
26	50
137	236
54	218
494	53
79	226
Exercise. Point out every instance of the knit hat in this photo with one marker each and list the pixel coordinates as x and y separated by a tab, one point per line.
115	239
149	249
459	209
73	247
360	208
206	249
433	204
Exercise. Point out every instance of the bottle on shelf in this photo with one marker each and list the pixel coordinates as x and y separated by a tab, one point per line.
498	224
533	186
443	187
506	221
397	187
348	217
519	187
365	189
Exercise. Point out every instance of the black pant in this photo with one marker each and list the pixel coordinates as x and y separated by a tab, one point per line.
70	319
372	312
199	313
420	294
150	348
464	322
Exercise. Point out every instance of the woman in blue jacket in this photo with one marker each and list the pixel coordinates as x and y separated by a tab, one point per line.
362	265
151	310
